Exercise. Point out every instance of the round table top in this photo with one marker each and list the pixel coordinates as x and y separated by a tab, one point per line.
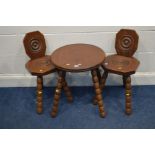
78	57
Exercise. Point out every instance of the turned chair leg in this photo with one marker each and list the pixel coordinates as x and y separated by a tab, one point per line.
128	93
39	94
67	90
98	93
124	81
102	84
57	94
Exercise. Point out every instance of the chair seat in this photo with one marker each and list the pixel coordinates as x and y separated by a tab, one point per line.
120	64
40	66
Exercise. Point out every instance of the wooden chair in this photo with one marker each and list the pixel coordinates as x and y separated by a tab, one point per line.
40	64
123	63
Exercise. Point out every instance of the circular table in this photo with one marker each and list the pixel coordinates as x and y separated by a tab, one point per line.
78	58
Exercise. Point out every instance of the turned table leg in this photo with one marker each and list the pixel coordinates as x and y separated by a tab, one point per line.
57	94
98	74
103	79
128	92
67	90
98	93
39	94
102	83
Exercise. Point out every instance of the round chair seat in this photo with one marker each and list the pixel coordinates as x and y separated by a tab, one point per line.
40	66
120	64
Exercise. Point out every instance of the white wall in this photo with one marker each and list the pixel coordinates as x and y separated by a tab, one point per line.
13	57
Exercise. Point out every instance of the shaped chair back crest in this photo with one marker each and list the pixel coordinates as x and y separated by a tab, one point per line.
34	43
126	42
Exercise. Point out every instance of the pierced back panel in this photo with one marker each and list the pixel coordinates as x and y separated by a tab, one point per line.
126	42
34	43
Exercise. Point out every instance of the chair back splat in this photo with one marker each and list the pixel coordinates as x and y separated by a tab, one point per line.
126	42
34	43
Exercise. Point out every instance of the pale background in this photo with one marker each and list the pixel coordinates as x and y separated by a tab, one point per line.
69	12
13	57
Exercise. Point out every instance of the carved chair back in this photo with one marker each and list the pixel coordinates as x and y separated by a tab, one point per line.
34	43
126	42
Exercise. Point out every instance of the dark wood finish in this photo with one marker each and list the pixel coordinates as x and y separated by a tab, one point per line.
128	94
103	79
123	63
39	94
40	64
98	93
126	42
78	58
99	78
123	78
67	91
34	43
98	74
102	83
57	94
61	84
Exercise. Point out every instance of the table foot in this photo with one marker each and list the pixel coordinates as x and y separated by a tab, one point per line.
57	95
128	108
39	94
98	93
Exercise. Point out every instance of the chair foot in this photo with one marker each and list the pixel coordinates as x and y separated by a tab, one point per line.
128	112
103	115
39	111
54	113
